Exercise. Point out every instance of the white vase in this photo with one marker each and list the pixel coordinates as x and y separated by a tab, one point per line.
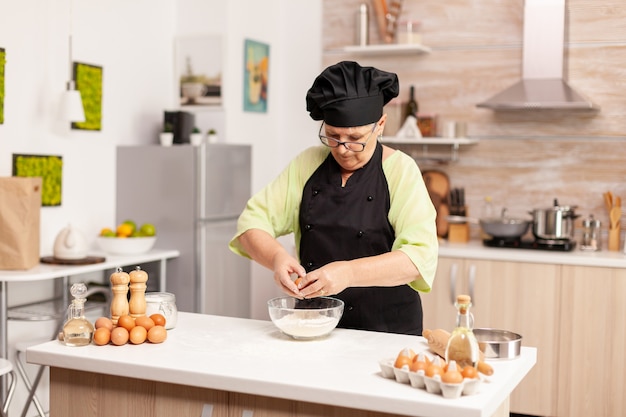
166	138
196	139
212	138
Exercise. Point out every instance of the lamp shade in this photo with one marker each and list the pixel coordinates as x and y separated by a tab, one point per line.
72	106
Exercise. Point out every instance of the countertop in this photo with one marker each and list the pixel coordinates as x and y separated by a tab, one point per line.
253	357
476	250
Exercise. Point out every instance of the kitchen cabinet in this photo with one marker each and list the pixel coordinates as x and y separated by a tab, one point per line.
516	296
592	336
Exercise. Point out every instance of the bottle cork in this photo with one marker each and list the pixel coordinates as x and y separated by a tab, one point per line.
119	286
137	304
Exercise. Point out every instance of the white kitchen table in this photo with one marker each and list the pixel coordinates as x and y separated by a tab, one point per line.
44	271
224	363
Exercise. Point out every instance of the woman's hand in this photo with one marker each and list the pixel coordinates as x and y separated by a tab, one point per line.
328	280
284	267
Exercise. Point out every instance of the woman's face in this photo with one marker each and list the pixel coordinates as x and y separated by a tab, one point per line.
350	160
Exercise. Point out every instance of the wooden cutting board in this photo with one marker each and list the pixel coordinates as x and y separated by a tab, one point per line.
84	261
438	186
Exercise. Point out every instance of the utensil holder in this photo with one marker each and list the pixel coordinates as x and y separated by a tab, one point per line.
458	233
614	239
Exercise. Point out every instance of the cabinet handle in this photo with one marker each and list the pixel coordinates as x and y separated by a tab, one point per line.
453	273
472	280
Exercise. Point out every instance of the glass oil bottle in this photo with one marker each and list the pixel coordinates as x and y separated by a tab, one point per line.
462	346
77	330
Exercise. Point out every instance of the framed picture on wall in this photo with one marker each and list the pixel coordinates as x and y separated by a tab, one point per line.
49	168
88	80
198	70
256	74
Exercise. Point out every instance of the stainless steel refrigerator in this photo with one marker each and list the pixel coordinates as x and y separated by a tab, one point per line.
193	195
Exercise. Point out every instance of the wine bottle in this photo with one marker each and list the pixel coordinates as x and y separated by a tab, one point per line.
411	106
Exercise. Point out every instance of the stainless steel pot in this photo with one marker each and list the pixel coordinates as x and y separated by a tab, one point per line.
554	223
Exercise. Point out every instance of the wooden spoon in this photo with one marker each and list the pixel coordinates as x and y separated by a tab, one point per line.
608	201
615	215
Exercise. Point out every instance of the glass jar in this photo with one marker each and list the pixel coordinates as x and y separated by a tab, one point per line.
591	235
163	303
408	32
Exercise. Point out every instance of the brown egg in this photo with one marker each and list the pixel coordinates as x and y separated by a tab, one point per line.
104	322
119	336
138	335
102	336
157	334
433	370
452	376
405	357
126	322
145	322
158	319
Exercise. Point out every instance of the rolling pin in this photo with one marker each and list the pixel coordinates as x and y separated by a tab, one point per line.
437	342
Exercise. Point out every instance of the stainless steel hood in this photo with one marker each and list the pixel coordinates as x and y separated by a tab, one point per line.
542	85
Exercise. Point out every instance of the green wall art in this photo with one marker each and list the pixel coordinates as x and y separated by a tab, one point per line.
88	79
49	168
3	60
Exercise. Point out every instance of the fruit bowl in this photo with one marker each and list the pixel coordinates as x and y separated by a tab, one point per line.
126	245
305	319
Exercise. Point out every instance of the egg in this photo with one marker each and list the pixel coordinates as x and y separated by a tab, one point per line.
145	322
405	357
420	363
104	322
138	335
157	334
433	370
158	319
119	336
469	372
126	322
102	336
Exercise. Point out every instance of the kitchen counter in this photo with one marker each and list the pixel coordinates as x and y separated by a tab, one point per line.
252	357
476	250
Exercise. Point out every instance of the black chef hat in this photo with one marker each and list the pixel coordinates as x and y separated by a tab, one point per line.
347	94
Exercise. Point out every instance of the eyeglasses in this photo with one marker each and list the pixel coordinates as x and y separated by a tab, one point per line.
351	146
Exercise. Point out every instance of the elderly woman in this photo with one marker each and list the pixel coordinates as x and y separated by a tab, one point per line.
363	222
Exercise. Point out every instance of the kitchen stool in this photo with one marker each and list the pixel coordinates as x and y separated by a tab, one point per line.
6	368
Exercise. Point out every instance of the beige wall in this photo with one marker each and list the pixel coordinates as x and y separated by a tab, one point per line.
524	159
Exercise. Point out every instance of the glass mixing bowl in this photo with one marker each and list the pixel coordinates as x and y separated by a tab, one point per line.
305	319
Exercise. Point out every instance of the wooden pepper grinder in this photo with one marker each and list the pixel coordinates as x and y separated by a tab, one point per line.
119	286
137	304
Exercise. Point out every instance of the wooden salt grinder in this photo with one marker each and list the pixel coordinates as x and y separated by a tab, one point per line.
119	286
137	304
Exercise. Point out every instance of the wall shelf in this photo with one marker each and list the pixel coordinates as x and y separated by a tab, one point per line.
383	49
454	144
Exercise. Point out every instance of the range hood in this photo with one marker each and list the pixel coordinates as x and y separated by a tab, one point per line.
542	85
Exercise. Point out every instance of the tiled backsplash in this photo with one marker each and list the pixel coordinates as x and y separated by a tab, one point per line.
524	159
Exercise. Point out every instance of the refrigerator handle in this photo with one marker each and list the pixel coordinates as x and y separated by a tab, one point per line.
201	237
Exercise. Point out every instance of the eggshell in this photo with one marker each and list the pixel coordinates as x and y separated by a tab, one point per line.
145	322
119	336
126	322
138	335
157	334
104	322
102	336
158	319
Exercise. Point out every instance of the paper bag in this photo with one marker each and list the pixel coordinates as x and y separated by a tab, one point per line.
20	212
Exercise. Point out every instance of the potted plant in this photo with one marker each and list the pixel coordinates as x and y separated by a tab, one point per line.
196	137
212	136
167	135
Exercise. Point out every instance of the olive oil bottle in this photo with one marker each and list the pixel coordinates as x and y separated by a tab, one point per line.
462	346
77	330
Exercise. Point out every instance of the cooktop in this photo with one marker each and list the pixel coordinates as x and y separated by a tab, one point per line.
561	245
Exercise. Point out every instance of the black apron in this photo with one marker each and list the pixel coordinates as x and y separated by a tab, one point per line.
344	223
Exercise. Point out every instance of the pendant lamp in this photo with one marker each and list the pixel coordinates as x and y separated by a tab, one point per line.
72	104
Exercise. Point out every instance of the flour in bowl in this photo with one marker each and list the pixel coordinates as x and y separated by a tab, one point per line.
310	324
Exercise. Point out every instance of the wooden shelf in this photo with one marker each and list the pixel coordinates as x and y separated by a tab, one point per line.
384	49
453	143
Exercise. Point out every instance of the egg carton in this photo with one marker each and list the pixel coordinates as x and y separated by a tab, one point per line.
433	385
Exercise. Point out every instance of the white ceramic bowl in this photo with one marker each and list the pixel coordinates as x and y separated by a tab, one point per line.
305	319
126	245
